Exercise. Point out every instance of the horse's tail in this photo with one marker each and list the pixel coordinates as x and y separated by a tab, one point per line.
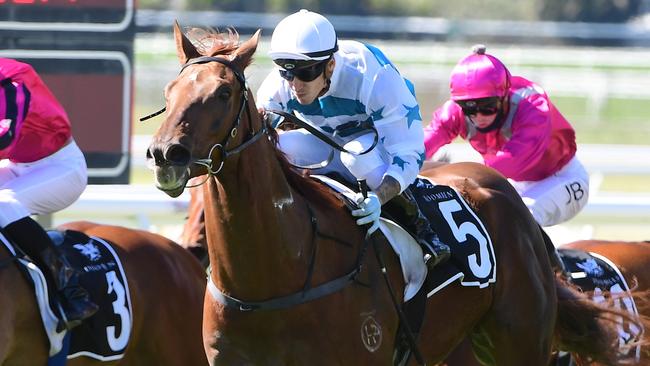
589	329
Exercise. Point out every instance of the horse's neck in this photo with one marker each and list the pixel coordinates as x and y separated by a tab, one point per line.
255	222
254	179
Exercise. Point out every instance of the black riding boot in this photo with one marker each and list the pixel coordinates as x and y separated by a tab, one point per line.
34	241
75	301
408	212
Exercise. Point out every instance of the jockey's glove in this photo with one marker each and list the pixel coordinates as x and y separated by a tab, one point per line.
368	212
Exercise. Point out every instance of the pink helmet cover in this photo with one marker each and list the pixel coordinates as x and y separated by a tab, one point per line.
479	75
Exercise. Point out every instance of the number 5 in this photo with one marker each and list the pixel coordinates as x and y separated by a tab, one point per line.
461	232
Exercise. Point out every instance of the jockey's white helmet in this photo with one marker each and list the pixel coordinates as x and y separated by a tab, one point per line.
304	35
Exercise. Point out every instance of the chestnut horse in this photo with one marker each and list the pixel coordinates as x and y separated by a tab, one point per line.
192	236
293	282
631	258
166	291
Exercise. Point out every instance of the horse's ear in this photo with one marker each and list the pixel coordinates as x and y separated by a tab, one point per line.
244	54
184	48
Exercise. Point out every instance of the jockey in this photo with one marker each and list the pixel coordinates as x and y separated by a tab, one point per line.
335	85
512	123
42	171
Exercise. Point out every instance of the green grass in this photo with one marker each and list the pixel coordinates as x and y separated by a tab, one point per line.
616	121
626	183
619	121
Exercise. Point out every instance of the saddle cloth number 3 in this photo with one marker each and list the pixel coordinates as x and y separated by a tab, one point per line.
119	342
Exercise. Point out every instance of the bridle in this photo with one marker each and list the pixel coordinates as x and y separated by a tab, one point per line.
221	147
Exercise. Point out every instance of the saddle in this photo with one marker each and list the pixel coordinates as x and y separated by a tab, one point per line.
472	260
104	336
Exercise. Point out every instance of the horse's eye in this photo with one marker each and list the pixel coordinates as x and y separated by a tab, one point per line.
224	94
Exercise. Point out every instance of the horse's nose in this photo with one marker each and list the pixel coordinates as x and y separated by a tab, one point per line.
173	154
177	154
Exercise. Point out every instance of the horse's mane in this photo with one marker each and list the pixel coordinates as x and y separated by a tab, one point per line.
212	42
300	180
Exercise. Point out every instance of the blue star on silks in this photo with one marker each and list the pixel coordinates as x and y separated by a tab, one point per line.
377	115
421	158
399	162
412	114
382	139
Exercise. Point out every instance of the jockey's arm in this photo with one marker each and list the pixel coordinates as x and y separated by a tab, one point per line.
387	189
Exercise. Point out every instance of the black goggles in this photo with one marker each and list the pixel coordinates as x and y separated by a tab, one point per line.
484	106
291	69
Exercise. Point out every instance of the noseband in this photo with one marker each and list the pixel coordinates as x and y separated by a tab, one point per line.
208	162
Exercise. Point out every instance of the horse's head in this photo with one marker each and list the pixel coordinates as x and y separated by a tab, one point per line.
207	105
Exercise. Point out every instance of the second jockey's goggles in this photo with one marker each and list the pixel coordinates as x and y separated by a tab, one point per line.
485	106
305	70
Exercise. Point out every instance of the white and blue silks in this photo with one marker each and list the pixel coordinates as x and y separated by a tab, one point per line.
365	87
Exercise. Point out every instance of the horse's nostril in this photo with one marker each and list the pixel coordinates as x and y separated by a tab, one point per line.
177	155
156	154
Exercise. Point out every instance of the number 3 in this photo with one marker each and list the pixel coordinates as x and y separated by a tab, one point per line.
119	308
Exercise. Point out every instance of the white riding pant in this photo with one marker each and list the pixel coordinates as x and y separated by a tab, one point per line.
302	149
559	197
43	186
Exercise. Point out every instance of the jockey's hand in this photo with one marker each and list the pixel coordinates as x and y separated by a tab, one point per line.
369	211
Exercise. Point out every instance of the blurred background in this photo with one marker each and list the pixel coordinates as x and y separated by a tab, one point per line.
592	57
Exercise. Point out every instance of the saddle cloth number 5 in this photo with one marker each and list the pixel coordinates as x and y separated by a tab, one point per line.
461	232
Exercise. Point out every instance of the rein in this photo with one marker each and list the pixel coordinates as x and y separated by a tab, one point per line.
323	136
331	140
307	294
